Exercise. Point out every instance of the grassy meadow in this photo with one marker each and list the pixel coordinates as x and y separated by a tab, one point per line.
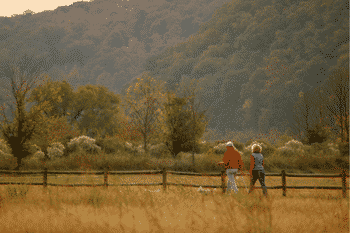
32	208
26	208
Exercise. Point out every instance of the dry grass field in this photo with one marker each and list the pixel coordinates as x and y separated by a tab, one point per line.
179	209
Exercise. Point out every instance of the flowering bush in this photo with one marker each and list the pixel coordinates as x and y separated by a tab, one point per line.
294	144
291	149
132	149
85	143
56	150
39	155
4	147
129	147
7	161
220	149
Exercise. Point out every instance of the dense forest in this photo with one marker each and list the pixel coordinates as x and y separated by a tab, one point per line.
255	59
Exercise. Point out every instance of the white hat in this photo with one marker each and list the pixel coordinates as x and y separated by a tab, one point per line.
229	144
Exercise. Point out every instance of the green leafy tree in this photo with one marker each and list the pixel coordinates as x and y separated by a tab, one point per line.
182	127
94	109
175	121
198	120
61	99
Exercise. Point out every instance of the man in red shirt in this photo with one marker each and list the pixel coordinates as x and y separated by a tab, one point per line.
233	163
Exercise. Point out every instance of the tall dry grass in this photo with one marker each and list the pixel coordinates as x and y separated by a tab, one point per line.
134	209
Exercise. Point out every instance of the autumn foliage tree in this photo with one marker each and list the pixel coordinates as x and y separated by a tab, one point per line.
142	103
24	126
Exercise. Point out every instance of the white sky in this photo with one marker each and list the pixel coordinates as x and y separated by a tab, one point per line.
11	7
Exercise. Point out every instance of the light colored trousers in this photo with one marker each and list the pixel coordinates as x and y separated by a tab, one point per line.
231	183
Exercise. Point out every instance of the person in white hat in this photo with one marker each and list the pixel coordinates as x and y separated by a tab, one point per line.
233	163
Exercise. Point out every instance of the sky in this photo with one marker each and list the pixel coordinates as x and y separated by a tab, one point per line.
12	7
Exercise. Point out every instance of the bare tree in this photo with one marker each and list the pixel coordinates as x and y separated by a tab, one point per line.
305	116
336	98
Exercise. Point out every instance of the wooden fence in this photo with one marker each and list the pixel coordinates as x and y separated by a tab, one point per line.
283	174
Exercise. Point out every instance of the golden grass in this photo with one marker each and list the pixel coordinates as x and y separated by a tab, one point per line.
179	209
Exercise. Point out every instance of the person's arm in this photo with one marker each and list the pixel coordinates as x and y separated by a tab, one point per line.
240	163
252	162
225	159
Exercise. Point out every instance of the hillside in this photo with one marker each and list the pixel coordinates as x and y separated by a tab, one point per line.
234	50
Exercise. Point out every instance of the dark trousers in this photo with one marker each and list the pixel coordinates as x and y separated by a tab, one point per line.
258	174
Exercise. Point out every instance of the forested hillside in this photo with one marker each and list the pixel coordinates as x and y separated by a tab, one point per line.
254	58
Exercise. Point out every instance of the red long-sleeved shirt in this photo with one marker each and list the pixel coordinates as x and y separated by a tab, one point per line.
232	159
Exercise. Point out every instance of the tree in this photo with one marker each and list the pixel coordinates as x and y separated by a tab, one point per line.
336	98
91	107
198	119
182	127
175	121
24	126
143	101
19	59
61	100
95	108
307	113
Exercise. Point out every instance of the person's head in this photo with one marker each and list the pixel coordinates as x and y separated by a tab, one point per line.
230	145
256	148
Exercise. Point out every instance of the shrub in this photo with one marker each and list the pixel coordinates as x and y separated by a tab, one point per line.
4	147
55	150
220	148
267	148
282	140
85	143
159	151
109	145
129	148
343	148
286	152
294	144
204	147
7	161
34	161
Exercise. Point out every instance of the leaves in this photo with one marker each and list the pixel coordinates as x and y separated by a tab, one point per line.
143	102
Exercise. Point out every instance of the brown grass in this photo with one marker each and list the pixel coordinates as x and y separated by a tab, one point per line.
132	209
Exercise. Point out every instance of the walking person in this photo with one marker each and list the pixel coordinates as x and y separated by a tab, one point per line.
257	170
233	163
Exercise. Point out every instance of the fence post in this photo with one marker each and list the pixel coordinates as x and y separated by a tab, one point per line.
343	181
164	178
284	182
45	177
223	181
106	177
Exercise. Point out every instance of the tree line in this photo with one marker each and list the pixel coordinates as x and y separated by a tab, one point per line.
148	113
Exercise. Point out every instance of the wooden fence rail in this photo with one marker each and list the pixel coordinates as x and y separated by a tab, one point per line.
164	172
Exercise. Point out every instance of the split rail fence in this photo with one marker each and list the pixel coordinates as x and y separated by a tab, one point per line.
164	172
